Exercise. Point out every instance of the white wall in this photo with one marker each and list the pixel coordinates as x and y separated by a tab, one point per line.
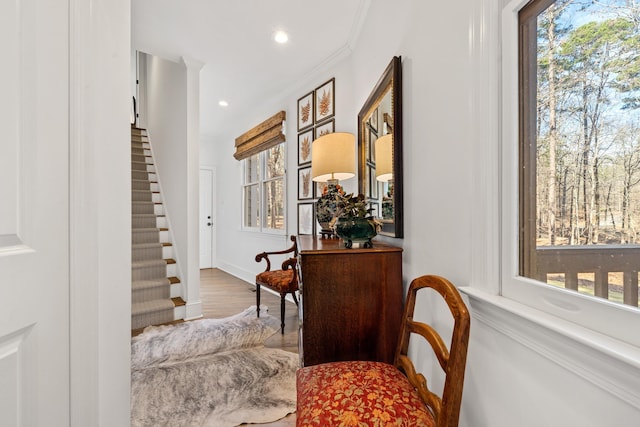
519	372
169	88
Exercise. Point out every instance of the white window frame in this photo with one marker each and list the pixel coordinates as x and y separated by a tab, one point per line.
262	181
604	317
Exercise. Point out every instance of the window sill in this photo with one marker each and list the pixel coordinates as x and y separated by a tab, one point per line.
612	365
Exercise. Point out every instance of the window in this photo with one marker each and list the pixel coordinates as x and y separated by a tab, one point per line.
264	190
573	246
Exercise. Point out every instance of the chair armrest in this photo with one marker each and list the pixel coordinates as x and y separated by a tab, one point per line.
265	256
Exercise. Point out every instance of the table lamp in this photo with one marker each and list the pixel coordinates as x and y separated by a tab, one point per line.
332	159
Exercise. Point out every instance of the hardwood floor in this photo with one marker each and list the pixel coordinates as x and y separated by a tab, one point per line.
224	295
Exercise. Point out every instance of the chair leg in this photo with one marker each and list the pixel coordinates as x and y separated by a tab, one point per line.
258	299
295	299
282	313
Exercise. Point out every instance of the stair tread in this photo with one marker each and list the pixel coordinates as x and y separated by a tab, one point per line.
152	262
174	280
138	285
146	245
178	301
148	263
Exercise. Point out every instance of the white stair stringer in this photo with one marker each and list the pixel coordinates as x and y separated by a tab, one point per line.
156	291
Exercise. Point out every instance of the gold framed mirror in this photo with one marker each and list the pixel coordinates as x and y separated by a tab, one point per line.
380	150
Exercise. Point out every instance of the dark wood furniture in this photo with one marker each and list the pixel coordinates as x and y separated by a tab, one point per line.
351	301
325	392
284	281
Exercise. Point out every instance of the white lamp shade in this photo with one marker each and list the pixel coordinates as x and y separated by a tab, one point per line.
333	156
384	158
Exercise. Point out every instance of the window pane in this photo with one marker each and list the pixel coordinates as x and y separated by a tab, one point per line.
275	161
274	198
251	206
252	169
580	176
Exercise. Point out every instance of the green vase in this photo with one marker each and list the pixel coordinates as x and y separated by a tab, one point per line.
356	230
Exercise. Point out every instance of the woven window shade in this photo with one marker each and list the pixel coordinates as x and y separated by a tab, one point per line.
264	136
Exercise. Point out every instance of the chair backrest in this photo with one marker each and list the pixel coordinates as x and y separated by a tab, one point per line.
445	408
290	262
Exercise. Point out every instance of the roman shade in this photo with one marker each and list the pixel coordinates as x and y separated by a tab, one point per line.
261	137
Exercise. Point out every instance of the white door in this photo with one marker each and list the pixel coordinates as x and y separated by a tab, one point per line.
34	213
207	218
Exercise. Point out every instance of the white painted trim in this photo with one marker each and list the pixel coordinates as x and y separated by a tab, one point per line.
83	306
484	114
609	364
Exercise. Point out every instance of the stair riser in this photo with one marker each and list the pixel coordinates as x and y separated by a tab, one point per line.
142	295
141	185
148	272
142	254
144	236
145	196
155	318
148	221
151	273
147	208
147	253
143	167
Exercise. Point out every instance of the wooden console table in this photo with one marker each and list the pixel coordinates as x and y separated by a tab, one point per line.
351	301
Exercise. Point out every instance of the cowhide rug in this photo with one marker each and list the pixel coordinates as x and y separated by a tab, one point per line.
211	372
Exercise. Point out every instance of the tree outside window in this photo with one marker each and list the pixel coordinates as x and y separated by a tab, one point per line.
264	190
580	146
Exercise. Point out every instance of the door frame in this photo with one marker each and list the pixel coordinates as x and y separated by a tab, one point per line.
214	257
100	180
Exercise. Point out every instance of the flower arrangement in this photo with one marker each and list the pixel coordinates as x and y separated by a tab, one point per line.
350	206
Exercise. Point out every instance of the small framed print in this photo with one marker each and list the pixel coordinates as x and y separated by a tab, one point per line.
373	183
306	220
305	187
373	120
371	154
304	147
325	128
305	111
319	188
325	101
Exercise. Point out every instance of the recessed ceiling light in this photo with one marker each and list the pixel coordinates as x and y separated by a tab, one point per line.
223	103
280	37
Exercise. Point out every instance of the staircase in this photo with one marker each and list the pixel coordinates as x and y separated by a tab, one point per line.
153	270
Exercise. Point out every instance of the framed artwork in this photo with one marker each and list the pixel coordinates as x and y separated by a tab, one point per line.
306	220
373	120
325	101
319	188
325	128
305	188
371	154
305	111
373	183
304	147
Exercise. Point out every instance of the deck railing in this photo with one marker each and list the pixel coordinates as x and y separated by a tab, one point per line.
553	262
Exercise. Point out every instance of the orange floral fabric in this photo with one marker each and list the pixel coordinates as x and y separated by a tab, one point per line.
358	394
278	280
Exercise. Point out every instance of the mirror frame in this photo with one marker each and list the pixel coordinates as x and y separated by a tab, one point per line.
391	76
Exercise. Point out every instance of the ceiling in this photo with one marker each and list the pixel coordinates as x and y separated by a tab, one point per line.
243	65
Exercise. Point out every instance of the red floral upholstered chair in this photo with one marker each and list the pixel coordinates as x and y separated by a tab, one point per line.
283	281
366	393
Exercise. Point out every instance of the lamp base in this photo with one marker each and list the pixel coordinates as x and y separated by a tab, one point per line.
326	208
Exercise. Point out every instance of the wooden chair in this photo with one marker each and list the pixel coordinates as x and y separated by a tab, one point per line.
283	281
367	393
